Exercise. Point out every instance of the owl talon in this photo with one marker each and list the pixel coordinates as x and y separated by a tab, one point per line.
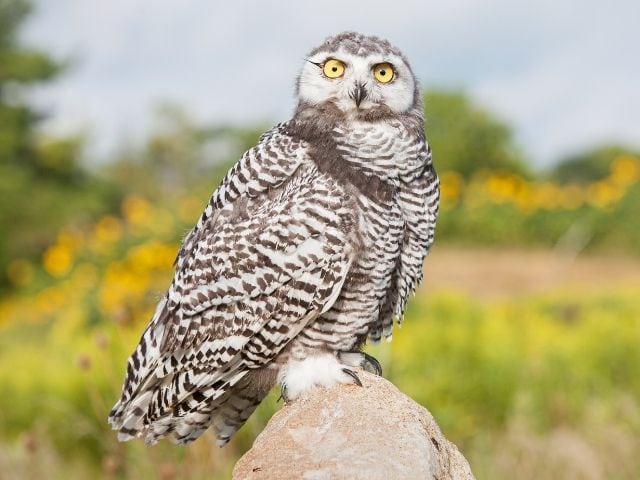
361	360
371	365
353	375
283	393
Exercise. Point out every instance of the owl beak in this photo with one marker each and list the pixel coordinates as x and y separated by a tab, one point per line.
359	93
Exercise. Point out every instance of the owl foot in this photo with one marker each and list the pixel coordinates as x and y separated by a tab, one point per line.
325	370
361	360
353	375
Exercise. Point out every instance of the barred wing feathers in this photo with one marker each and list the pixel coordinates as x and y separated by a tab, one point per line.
269	254
418	198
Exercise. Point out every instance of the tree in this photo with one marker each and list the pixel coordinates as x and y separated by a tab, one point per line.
588	165
43	184
466	138
19	67
179	155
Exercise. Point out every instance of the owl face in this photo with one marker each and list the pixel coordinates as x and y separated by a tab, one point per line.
358	73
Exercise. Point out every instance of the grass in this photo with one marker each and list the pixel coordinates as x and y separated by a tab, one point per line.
548	384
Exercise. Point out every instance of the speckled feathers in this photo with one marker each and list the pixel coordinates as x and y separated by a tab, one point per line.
311	244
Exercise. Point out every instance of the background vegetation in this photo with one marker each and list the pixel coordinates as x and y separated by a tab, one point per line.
547	383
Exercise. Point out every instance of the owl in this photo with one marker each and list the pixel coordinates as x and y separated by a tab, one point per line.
310	245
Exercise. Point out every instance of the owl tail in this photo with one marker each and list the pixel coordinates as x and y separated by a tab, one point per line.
226	416
158	401
140	366
224	405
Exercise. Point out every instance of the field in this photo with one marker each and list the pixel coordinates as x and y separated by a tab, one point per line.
524	340
529	360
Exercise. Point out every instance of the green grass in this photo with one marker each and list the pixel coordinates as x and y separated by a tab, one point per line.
505	380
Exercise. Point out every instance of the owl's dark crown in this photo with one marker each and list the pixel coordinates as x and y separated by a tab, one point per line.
357	44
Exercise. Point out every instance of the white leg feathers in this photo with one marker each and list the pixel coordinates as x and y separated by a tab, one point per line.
321	370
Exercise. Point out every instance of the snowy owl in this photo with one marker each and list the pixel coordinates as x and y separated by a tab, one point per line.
310	245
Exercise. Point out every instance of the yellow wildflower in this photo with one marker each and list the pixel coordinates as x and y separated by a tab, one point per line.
451	184
7	310
625	170
57	260
152	255
108	230
601	194
121	288
523	197
501	187
49	300
70	238
571	197
136	210
546	195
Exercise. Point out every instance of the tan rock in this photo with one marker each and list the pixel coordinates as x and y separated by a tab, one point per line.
349	432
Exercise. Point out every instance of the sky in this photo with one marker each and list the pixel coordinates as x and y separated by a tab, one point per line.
564	74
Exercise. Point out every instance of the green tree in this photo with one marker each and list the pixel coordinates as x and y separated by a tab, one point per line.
180	155
43	184
19	67
467	138
588	165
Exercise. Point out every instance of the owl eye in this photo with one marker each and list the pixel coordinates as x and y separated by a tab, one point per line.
333	68
383	72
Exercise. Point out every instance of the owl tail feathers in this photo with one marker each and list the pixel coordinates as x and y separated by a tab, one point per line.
128	417
136	393
131	420
236	410
225	413
225	406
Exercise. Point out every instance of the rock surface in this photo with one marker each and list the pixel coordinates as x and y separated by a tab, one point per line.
373	432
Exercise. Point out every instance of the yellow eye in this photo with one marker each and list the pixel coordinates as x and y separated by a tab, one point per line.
333	68
383	72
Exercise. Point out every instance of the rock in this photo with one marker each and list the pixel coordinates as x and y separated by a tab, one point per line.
373	432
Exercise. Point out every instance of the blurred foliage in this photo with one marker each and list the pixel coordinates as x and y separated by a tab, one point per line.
43	184
87	253
19	64
528	367
521	370
466	138
503	208
489	372
179	155
590	165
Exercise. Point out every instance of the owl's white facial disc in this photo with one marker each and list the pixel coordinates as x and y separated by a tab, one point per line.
314	87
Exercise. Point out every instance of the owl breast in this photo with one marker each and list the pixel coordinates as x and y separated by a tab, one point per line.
377	152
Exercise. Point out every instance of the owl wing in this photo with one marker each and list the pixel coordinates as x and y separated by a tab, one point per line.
418	197
268	255
419	201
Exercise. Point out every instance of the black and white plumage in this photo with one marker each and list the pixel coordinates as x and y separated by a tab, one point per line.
311	244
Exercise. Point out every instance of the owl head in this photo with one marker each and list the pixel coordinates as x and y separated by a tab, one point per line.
358	74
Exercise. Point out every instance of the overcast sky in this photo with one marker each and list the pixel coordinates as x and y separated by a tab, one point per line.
564	74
